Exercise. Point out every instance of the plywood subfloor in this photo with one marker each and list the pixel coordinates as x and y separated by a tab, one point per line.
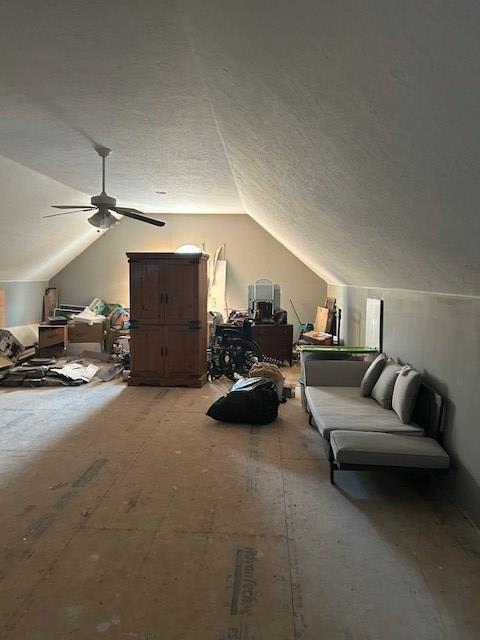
126	513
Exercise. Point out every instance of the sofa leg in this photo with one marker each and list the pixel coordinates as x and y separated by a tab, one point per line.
310	419
332	473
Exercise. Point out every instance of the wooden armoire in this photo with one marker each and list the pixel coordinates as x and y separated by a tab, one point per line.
168	325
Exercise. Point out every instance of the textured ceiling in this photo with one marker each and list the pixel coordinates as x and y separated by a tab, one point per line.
348	130
118	73
352	131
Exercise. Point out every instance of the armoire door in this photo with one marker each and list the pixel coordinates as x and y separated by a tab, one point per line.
181	292
182	356
168	299
147	351
147	282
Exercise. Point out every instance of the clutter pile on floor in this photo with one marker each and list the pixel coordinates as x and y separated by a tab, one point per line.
68	348
97	312
19	369
49	372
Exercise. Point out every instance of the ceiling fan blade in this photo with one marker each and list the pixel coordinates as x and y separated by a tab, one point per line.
83	207
64	213
137	215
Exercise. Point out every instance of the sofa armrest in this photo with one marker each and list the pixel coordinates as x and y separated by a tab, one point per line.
334	373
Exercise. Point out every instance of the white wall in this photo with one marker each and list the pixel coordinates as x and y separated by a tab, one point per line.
440	336
251	253
23	302
33	248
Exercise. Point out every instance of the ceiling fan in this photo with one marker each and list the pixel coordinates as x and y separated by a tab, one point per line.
103	218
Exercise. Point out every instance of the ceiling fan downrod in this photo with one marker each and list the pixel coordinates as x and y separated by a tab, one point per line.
103	201
103	152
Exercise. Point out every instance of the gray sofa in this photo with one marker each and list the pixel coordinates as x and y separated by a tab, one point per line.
358	433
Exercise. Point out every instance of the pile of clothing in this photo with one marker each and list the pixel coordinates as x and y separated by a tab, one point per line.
117	314
271	372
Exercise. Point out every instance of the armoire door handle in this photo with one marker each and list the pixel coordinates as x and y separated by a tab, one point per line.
161	298
166	297
161	352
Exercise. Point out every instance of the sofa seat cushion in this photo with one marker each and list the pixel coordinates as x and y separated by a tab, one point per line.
344	408
387	449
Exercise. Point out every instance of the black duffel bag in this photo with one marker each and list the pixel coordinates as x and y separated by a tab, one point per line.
250	400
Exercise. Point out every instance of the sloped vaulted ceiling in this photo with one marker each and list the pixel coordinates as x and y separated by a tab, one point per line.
32	248
352	130
119	73
349	130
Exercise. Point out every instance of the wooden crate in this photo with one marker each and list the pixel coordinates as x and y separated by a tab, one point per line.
52	336
52	340
83	332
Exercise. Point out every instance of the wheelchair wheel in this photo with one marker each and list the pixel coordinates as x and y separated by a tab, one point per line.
239	357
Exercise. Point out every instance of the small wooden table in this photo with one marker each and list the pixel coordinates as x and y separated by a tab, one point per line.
52	340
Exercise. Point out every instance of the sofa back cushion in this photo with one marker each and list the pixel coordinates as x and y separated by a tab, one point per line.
405	393
372	374
383	389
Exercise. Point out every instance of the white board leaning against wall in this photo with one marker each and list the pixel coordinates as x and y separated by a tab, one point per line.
216	291
374	324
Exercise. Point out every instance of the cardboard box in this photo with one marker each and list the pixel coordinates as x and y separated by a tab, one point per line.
79	348
321	320
5	363
51	352
318	337
52	336
289	390
83	332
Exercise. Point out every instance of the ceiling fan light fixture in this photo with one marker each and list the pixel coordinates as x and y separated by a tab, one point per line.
102	220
